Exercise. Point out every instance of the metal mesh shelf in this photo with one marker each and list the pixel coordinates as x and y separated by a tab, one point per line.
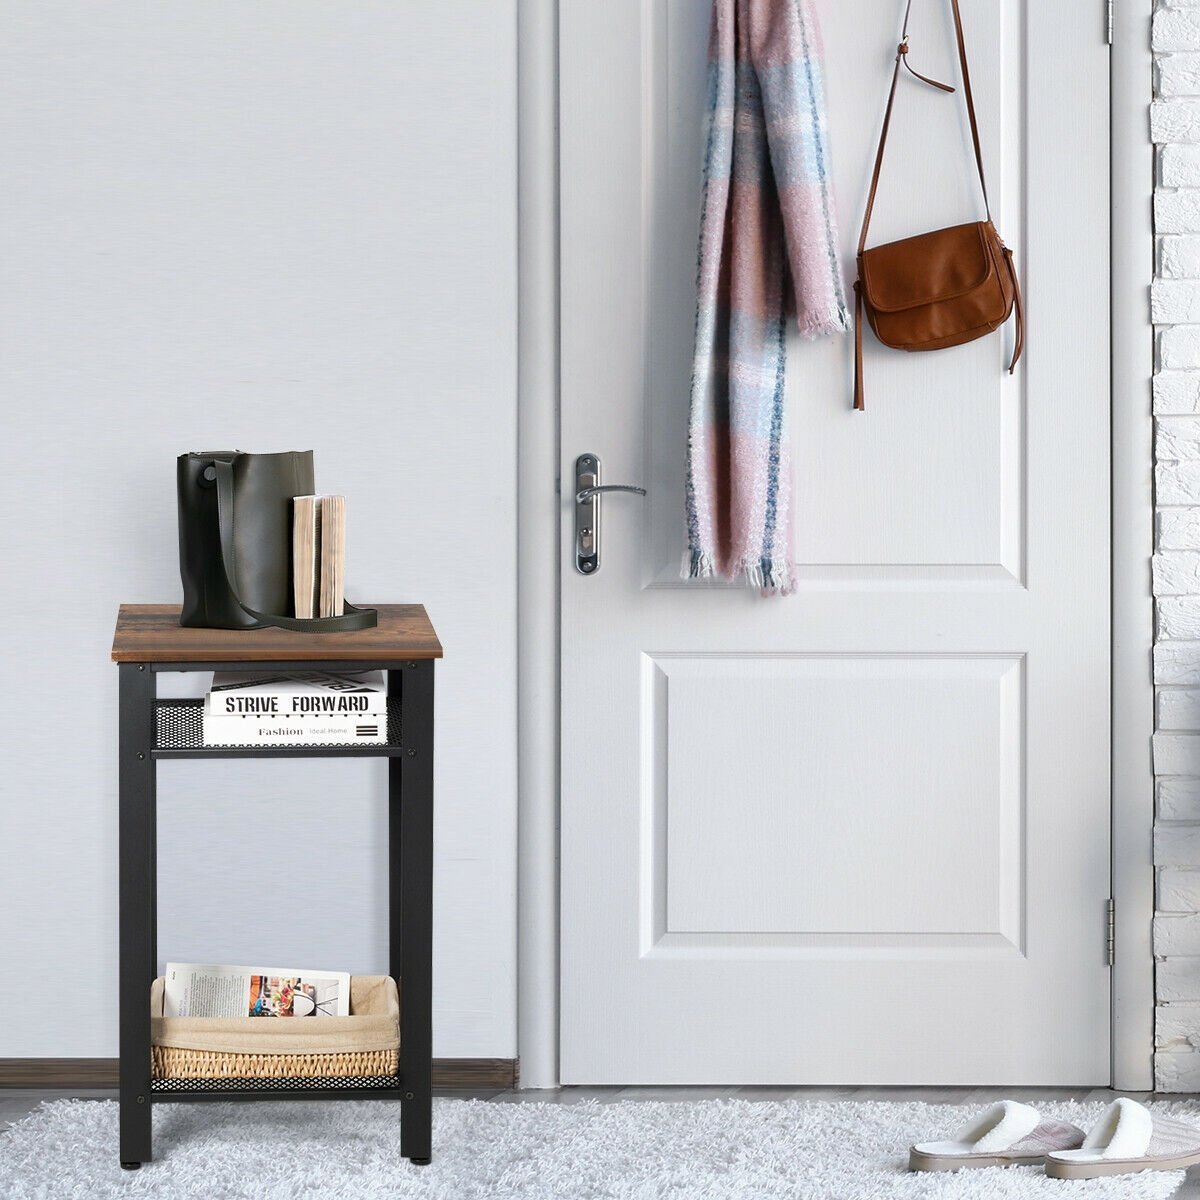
280	1083
178	730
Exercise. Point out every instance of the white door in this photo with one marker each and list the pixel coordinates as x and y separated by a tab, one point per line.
858	835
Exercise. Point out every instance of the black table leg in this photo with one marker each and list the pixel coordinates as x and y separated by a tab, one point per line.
410	805
137	904
395	683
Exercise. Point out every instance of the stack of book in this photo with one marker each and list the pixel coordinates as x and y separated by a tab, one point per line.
311	708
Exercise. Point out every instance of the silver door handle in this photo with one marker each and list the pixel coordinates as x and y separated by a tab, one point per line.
585	494
588	490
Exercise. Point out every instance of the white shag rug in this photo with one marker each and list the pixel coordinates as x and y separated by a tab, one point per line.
640	1150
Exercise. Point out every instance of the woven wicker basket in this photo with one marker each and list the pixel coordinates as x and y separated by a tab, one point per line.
364	1044
170	1062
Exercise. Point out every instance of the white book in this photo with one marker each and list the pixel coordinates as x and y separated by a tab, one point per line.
211	990
319	730
306	555
333	556
318	556
303	694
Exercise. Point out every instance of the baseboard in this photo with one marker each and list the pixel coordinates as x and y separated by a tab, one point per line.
475	1073
58	1072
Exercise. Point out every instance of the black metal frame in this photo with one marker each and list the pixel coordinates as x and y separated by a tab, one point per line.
410	895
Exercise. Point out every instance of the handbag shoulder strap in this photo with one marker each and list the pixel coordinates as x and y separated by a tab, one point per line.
902	59
354	618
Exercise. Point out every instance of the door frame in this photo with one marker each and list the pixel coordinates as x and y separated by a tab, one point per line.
538	542
1131	155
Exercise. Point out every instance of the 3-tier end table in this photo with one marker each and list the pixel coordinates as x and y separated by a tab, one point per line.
149	640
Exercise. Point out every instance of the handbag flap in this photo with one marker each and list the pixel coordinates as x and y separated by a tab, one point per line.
926	269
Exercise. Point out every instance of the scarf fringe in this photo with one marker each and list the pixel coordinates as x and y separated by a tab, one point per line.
770	577
698	565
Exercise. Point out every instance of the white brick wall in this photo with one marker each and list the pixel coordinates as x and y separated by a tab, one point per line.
1175	305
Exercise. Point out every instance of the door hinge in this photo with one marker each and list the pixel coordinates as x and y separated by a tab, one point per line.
1110	21
1111	940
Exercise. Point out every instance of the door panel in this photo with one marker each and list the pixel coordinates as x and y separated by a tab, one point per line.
883	800
954	501
759	867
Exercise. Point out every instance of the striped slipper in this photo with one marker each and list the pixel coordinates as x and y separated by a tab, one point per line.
1005	1135
1129	1138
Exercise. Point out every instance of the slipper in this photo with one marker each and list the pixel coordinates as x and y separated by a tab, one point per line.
1129	1138
1006	1134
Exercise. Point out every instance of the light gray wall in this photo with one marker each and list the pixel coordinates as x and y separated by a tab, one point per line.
277	225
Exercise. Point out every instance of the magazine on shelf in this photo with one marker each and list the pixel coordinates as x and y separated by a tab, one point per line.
294	731
209	990
317	708
300	694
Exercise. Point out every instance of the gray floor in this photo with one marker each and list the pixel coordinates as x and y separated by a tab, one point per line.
15	1103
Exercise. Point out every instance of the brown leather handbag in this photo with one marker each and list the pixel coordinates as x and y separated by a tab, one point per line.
937	289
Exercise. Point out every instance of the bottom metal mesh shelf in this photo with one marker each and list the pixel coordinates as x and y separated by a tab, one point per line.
281	1083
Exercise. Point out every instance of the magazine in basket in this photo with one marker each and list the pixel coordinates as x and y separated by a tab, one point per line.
209	990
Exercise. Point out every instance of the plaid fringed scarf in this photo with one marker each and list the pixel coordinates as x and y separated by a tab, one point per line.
768	246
